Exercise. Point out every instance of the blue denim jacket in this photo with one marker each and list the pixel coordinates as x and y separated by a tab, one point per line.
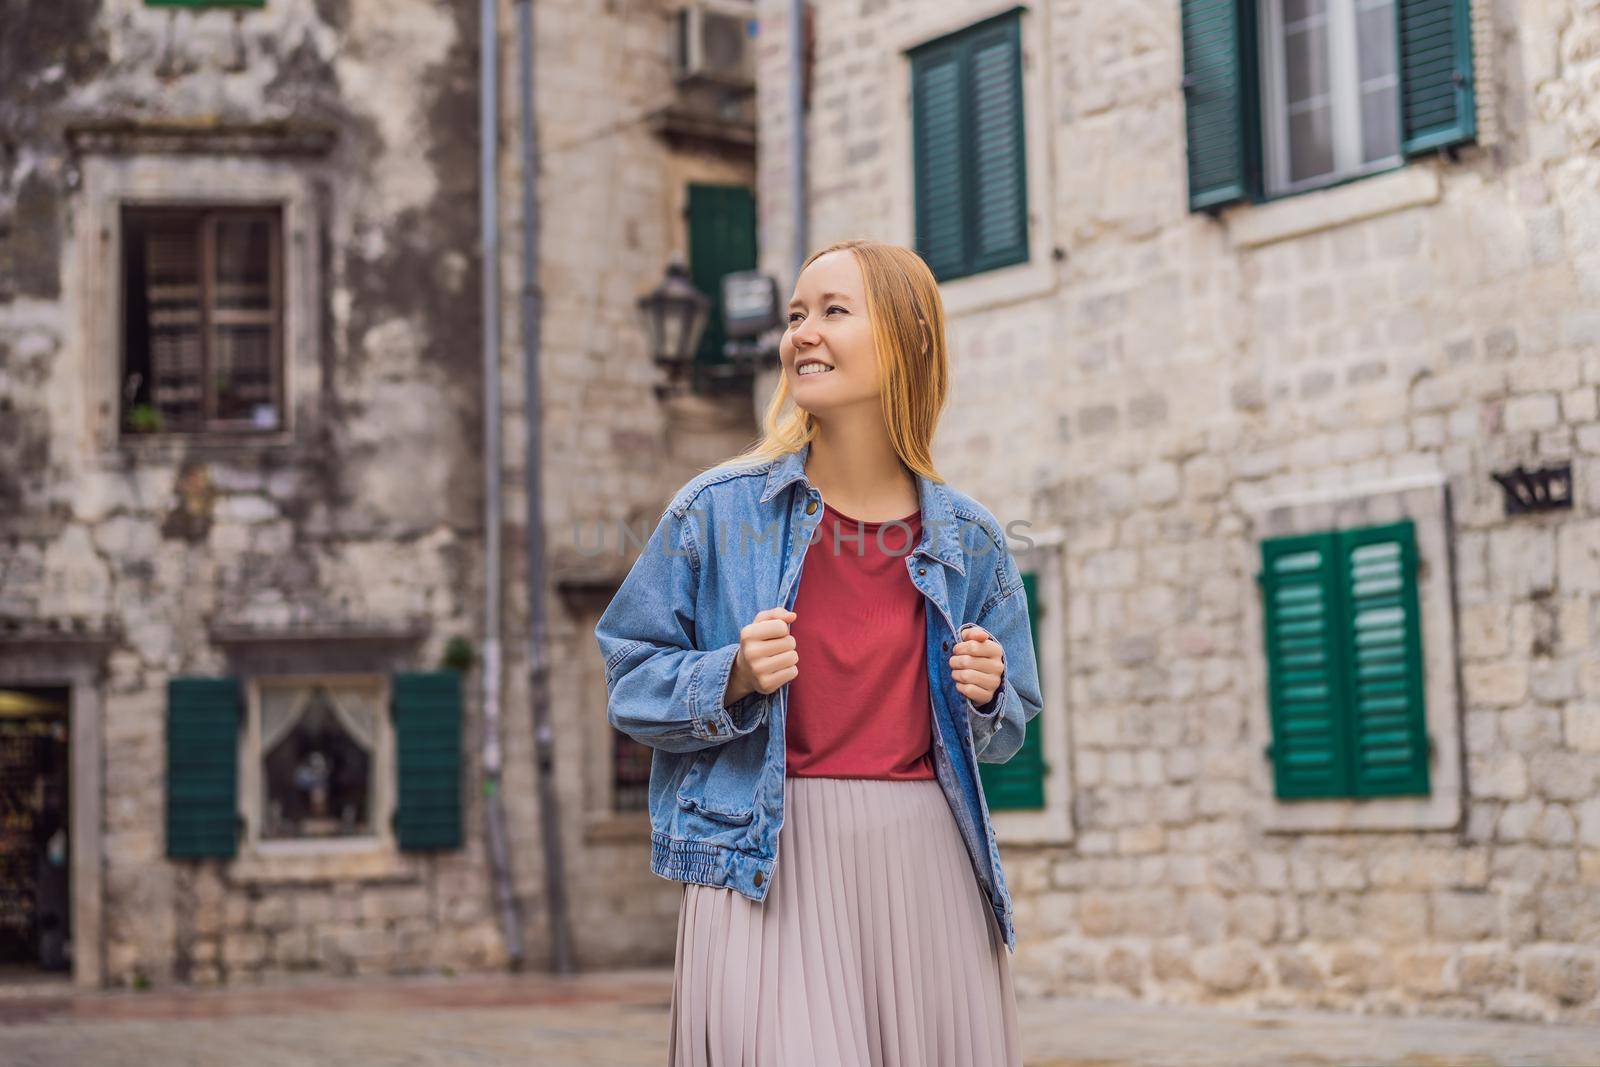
732	543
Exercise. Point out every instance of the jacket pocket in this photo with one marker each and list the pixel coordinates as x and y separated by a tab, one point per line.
700	807
721	783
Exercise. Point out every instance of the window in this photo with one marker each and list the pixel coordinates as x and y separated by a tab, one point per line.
202	320
630	774
1019	783
283	761
1288	95
1343	641
1332	90
968	149
317	756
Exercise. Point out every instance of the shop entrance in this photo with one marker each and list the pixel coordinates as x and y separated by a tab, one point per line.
35	899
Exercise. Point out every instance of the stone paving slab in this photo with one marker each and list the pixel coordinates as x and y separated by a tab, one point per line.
618	1019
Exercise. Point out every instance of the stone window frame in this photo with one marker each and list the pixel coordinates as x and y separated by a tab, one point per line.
1039	276
1424	499
253	849
270	166
1053	825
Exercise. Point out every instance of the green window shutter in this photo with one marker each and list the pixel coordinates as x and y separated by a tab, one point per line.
1222	108
1305	671
202	767
1018	783
1383	634
969	149
722	240
1436	99
939	152
1343	643
426	707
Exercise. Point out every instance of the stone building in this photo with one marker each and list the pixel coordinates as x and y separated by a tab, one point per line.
242	469
1278	323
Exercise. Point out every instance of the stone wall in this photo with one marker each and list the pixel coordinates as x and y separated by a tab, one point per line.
1174	374
370	517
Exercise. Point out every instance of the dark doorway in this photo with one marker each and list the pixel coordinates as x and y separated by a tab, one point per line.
35	911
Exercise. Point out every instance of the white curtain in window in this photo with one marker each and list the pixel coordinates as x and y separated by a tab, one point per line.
357	711
281	708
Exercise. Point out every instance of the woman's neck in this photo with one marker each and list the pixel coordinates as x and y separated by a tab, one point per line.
860	473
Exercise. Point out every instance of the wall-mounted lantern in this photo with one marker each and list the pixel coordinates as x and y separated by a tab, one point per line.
673	315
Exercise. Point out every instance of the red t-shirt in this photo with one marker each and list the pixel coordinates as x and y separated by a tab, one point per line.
859	708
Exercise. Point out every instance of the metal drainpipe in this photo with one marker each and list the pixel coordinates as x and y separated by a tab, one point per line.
797	131
488	192
538	632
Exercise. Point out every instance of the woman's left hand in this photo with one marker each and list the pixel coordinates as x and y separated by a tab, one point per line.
977	665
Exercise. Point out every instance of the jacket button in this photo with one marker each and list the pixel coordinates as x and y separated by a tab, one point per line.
922	570
811	507
759	879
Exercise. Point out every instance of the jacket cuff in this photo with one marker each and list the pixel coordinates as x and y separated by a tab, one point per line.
709	719
985	720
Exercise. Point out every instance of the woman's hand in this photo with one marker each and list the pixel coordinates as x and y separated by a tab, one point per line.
977	665
766	658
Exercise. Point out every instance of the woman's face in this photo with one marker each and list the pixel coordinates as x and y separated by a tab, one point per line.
828	326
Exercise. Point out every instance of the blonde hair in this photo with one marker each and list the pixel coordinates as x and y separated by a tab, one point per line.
907	315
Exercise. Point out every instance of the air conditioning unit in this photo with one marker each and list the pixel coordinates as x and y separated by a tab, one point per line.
716	43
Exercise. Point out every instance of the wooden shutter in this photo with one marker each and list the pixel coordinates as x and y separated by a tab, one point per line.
999	224
1435	62
1383	635
1305	672
426	707
722	240
1221	97
1344	663
1018	783
202	767
969	152
175	297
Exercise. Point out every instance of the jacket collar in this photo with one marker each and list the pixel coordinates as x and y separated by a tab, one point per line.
941	534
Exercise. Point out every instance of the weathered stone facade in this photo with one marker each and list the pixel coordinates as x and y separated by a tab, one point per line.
353	541
1154	386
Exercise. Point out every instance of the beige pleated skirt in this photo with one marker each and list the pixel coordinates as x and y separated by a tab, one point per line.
875	945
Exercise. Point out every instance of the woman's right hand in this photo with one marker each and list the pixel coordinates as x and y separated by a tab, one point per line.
766	658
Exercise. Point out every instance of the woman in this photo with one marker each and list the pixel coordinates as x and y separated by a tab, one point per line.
839	726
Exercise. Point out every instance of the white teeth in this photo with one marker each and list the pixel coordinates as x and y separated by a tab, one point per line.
815	368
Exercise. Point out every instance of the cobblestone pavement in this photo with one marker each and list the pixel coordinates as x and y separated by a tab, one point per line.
618	1019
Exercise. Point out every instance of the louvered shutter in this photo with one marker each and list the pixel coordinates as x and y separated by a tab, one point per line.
1220	95
426	707
939	151
202	767
1343	640
999	229
1383	635
969	149
1435	62
175	300
1018	783
1305	670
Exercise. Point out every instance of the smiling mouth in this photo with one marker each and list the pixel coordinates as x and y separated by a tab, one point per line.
813	368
